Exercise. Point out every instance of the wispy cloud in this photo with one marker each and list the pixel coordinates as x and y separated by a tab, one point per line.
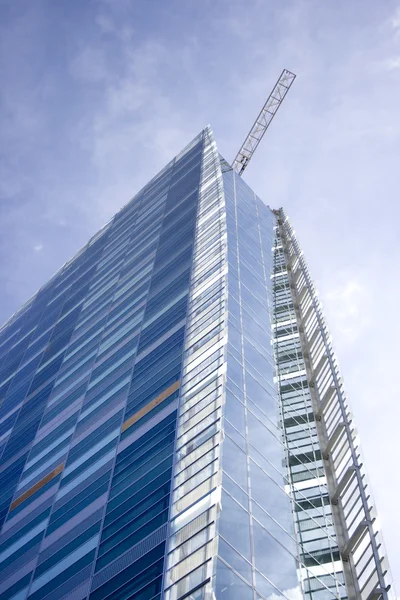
391	64
395	20
346	306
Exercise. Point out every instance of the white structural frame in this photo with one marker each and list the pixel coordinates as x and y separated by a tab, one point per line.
364	566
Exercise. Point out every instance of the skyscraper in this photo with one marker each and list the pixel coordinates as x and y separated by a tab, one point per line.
173	423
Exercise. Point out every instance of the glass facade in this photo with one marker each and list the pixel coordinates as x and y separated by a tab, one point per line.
172	421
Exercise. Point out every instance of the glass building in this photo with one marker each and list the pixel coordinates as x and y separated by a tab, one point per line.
172	421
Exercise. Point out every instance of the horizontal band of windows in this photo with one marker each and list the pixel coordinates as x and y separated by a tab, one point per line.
207	266
31	548
102	293
125	358
146	240
147	452
25	543
62	407
206	240
211	249
215	311
51	460
9	483
64	570
138	433
203	291
77	368
142	277
66	392
108	458
155	207
190	399
38	485
161	356
105	387
174	285
82	349
205	364
127	302
126	322
215	325
114	253
128	307
120	389
188	468
90	458
182	215
129	580
100	433
211	433
139	292
198	383
168	345
159	459
196	479
141	478
185	437
208	405
138	400
180	238
153	503
147	374
155	402
68	549
100	415
215	296
157	490
104	275
162	310
23	536
76	504
36	493
149	483
159	329
143	257
120	334
144	527
213	339
23	526
18	444
93	326
128	340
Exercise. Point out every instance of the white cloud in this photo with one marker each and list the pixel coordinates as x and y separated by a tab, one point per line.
346	305
395	19
390	64
106	24
38	247
347	298
291	594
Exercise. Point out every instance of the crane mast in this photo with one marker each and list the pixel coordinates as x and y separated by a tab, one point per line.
263	120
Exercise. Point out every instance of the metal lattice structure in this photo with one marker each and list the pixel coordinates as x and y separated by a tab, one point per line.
263	121
363	560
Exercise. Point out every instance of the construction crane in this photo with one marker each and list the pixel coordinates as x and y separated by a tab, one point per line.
263	120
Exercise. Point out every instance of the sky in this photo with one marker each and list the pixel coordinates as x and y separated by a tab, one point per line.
97	95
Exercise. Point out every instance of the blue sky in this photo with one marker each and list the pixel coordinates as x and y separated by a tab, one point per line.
97	95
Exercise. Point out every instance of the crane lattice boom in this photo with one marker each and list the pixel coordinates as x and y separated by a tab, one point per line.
263	120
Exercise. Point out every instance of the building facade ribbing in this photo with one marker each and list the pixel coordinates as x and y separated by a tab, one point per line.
172	420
